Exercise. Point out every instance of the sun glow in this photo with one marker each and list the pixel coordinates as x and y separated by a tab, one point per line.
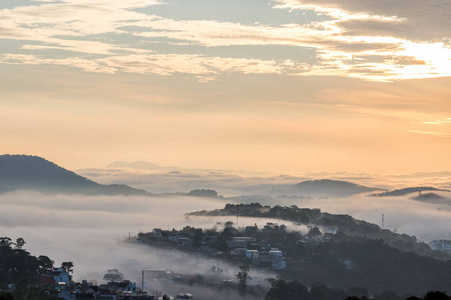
435	55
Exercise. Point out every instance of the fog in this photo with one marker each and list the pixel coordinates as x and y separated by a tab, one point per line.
230	183
426	220
93	231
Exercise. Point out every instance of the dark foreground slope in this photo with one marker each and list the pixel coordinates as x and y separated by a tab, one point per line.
25	172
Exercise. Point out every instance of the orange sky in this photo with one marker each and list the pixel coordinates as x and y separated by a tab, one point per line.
313	86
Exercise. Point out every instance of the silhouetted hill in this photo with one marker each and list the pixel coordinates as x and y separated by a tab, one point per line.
203	193
429	197
410	190
324	188
36	173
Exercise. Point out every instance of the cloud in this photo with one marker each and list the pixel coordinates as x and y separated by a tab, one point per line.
124	38
205	68
414	20
414	31
433	133
92	231
230	183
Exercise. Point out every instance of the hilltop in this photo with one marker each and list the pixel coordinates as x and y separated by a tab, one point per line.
26	172
324	188
410	190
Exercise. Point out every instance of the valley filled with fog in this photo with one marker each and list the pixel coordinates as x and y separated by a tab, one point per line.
93	231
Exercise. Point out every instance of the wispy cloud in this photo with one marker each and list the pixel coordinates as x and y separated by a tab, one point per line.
359	39
433	133
439	122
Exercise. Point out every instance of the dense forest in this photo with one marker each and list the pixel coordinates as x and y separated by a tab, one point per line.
19	272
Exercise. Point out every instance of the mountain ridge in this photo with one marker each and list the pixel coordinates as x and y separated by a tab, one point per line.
29	172
324	188
409	190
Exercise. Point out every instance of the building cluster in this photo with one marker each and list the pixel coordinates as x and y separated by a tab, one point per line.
246	249
441	245
117	289
260	254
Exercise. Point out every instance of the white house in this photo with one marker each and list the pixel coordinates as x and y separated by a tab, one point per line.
251	254
275	252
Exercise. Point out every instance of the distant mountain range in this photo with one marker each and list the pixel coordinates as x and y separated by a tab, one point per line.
25	172
323	188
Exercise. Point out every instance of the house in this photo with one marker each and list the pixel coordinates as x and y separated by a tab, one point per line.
251	254
113	275
158	274
210	240
65	294
46	280
157	232
184	296
251	230
127	286
185	241
239	242
240	251
60	275
349	264
275	252
106	294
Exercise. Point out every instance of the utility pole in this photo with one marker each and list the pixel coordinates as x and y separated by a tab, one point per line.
142	283
382	221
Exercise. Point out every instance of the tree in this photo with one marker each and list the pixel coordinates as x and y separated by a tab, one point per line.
228	224
6	296
282	289
436	295
5	241
314	232
243	276
20	242
68	265
45	263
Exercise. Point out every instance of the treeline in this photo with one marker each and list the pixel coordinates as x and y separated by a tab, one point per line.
19	272
17	264
282	289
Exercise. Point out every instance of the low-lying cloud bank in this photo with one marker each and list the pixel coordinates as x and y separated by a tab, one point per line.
92	231
230	183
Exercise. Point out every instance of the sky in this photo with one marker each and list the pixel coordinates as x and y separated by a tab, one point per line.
280	85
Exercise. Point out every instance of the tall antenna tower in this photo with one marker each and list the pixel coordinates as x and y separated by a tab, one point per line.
382	221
